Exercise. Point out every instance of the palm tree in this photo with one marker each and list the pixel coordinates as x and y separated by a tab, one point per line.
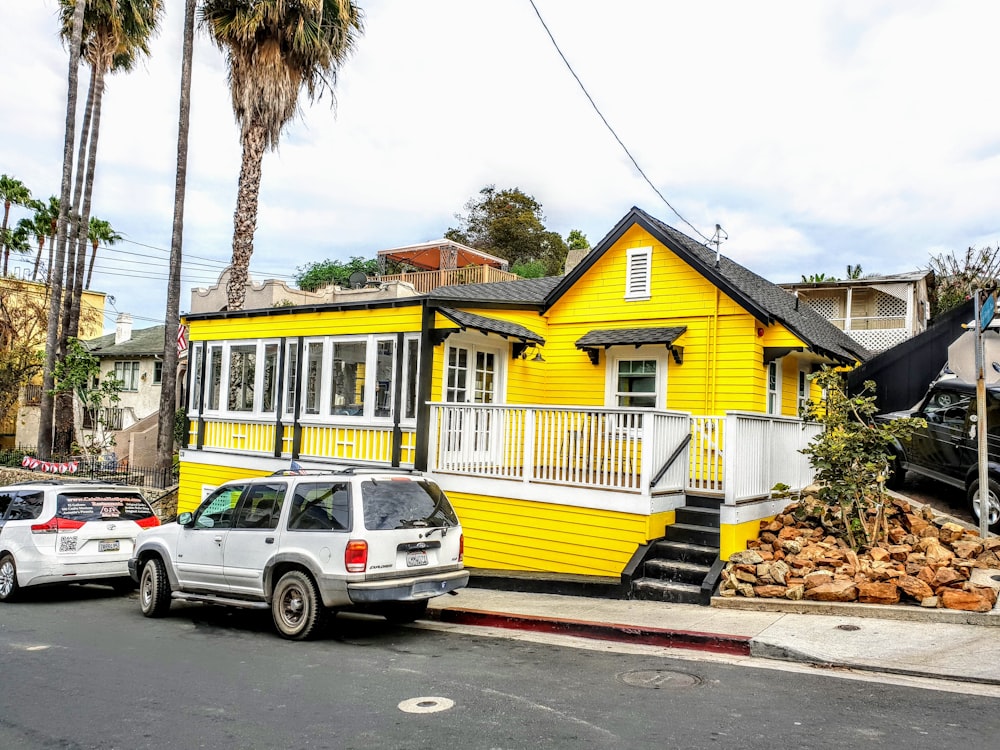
274	49
11	191
100	231
168	381
46	219
46	409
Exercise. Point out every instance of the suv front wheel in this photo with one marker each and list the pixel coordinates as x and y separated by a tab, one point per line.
993	504
295	607
154	589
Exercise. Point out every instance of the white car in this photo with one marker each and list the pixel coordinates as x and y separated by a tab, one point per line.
52	532
304	544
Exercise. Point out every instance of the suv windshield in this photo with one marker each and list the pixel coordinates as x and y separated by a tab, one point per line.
100	506
404	503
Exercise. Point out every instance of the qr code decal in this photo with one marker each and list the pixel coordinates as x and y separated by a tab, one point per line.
67	544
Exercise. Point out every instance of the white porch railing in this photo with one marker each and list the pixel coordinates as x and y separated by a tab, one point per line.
613	449
764	450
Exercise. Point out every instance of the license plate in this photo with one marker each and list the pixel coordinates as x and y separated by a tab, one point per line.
416	558
109	546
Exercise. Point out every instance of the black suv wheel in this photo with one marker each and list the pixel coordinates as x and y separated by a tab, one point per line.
993	504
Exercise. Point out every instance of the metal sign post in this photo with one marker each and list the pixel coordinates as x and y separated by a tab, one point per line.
984	315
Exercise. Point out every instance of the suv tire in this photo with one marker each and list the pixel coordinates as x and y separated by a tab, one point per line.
154	589
993	506
8	579
295	606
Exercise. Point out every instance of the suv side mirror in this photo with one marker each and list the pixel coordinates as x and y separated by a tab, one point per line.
185	519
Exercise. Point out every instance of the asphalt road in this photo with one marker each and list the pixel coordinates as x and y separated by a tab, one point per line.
81	668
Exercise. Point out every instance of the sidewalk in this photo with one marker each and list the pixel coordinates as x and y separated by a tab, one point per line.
905	640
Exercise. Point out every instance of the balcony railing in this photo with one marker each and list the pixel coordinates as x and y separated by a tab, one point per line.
426	281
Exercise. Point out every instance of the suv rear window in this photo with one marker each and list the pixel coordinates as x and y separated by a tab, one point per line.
405	503
101	507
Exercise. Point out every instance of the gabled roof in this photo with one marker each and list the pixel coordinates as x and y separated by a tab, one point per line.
522	292
764	300
146	342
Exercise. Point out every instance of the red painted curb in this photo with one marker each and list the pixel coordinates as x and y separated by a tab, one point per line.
738	645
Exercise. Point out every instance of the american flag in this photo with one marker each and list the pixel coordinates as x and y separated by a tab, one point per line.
182	342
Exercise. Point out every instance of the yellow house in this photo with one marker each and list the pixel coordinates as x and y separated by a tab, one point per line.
582	425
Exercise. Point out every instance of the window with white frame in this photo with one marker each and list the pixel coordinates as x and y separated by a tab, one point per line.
157	373
312	377
637	378
638	272
269	385
347	392
291	374
774	387
242	372
213	377
803	394
472	374
411	366
197	352
127	373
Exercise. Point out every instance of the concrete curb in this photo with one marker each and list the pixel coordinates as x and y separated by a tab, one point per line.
735	645
903	612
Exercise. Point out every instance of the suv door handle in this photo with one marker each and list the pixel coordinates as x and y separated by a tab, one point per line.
269	540
218	540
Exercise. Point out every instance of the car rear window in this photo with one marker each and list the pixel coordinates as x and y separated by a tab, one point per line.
101	506
405	503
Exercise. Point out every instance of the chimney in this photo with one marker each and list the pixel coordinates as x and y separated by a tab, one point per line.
123	328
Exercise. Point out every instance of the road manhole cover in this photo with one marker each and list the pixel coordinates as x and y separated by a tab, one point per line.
427	705
659	678
848	627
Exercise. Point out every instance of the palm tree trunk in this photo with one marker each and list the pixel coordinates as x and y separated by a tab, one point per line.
52	245
44	446
88	192
90	266
3	235
245	217
168	384
38	258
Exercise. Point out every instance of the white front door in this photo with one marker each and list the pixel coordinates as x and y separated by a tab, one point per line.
472	377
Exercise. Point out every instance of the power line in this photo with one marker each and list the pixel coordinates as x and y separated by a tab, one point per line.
608	125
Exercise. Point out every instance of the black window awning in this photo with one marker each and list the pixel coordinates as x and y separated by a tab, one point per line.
593	341
467	320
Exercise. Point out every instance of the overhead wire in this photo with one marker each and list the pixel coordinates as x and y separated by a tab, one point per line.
611	129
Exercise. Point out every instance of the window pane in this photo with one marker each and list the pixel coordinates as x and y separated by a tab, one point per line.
636	385
314	376
384	366
242	371
320	507
196	353
348	393
270	384
291	377
214	376
157	372
412	361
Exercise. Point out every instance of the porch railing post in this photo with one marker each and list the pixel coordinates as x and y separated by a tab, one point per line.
434	441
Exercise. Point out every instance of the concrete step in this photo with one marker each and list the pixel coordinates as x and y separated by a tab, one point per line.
651	589
676	571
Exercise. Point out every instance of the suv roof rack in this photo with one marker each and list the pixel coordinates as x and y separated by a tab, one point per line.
348	470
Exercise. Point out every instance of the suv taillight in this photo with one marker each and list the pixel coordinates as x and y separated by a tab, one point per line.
147	523
461	547
356	556
54	525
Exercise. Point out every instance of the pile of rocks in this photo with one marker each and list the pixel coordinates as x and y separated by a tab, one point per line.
924	560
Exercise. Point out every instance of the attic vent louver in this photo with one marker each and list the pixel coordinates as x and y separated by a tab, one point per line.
637	273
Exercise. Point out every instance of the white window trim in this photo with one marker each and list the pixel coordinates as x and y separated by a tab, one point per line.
631	257
478	343
776	364
403	419
628	353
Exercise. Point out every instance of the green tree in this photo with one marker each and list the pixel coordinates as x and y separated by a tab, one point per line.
11	191
956	276
274	50
22	325
167	430
817	278
76	375
577	240
100	231
852	458
313	276
510	224
854	272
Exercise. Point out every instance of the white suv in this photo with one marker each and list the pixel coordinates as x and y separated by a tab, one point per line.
52	532
306	543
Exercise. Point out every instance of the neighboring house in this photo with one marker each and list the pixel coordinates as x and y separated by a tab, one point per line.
24	317
136	359
878	312
568	418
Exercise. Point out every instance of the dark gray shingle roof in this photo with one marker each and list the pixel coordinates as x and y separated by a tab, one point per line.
490	325
144	342
629	336
522	291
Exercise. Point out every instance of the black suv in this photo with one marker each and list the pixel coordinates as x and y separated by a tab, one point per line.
946	449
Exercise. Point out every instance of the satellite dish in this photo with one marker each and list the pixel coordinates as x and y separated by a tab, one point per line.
358	279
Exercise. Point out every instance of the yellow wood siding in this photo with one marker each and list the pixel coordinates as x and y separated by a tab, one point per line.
313	323
505	534
194	476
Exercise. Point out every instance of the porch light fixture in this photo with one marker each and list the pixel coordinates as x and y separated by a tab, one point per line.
520	349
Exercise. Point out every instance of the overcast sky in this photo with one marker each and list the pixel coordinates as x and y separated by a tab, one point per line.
818	134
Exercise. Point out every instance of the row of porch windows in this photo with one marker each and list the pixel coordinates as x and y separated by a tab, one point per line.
339	377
